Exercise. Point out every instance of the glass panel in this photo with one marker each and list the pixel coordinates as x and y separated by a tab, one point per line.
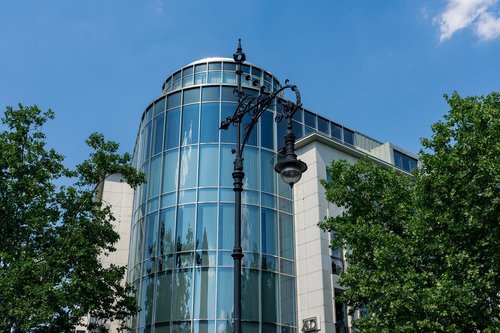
229	77
269	231
267	172
187	71
413	164
207	194
406	163
159	123
170	171
229	94
287	267
269	328
297	129
146	300
251	260
204	326
206	236
168	200
154	177
228	135
336	131
185	228
159	106
209	158
147	145
209	129
200	78
187	81
226	166
210	94
284	189
166	231
297	116
149	113
287	296
269	263
249	327
177	75
200	68
163	296
224	326
323	125
229	66
250	238
245	69
185	259
187	196
256	72
214	66
214	77
226	195
281	128
205	258
173	100
173	126
226	226
189	124
250	294
348	136
286	236
189	162
267	130
151	227
204	293
285	205
162	328
269	297
182	294
225	259
191	96
225	293
268	200
251	167
250	197
181	327
310	119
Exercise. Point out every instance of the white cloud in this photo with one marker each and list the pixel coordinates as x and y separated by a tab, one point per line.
488	26
460	14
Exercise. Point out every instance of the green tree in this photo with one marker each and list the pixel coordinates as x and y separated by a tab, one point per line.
424	250
52	237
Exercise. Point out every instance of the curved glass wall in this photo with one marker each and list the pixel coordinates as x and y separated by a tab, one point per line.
183	222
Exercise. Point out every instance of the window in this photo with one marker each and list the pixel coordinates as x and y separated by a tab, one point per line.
403	161
348	136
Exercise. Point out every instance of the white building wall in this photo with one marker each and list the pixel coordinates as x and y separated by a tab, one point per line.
315	281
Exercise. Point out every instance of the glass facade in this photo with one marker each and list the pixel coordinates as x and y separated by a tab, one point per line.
182	231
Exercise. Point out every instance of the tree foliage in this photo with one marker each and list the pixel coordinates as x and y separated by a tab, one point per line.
54	236
424	250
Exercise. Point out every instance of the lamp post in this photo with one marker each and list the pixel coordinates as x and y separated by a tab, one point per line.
289	167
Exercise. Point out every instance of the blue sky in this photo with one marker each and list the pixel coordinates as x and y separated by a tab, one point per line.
379	67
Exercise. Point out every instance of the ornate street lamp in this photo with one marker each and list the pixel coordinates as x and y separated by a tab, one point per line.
290	168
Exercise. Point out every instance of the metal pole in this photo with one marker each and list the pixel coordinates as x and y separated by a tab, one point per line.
238	176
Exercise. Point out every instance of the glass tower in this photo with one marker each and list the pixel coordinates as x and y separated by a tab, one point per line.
183	218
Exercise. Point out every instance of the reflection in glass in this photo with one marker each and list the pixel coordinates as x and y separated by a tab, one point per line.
286	236
150	245
209	158
229	135
207	226
267	171
146	303
348	136
267	130
172	130
191	95
226	166
204	293
187	172
269	231
226	226
189	124
269	296
287	295
154	177
158	134
173	100
182	294
163	296
209	129
210	94
250	240
181	327
170	171
166	231
204	326
251	168
185	227
250	294
225	293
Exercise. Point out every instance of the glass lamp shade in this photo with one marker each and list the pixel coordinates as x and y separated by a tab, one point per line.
291	170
